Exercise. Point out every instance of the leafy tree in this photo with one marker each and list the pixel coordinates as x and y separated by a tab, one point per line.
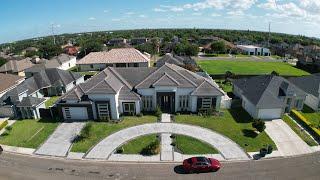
275	73
259	125
49	50
88	47
218	47
2	61
186	49
31	54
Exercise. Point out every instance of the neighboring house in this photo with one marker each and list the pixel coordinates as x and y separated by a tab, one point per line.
116	91
254	50
268	96
71	50
46	83
16	67
117	42
177	60
65	61
311	86
8	82
139	41
120	57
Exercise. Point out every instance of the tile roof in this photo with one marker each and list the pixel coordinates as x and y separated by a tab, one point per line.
265	91
8	80
16	65
177	60
120	55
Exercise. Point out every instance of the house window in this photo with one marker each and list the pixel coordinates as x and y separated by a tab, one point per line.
147	103
298	104
67	113
91	66
184	103
129	108
136	65
103	111
204	103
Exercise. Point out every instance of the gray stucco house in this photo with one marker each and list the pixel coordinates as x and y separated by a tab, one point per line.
311	86
116	91
268	96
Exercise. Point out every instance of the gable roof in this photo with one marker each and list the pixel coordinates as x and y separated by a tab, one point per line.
166	80
309	84
7	81
207	89
119	55
16	66
264	91
31	102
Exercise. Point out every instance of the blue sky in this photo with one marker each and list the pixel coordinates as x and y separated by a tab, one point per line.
22	19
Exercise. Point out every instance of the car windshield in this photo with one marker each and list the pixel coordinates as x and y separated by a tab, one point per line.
202	159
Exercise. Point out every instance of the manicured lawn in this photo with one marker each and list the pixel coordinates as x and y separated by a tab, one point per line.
249	67
189	145
235	124
313	117
226	87
135	146
301	133
51	101
29	133
100	130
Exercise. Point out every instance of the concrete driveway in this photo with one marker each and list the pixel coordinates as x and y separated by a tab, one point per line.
228	149
59	143
287	141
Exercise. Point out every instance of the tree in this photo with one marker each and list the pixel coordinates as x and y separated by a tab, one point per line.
187	49
2	61
88	47
218	47
259	125
274	73
49	50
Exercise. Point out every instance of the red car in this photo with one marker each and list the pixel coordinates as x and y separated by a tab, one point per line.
201	164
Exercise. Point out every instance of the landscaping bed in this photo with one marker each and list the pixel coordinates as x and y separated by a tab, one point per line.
234	123
138	145
301	133
28	133
50	102
189	145
214	67
100	130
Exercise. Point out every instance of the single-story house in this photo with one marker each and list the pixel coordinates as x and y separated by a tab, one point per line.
116	91
311	86
63	61
117	42
177	60
254	50
138	41
120	57
46	83
8	82
268	96
16	67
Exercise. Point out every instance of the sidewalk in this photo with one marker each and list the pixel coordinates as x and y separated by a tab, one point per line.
166	153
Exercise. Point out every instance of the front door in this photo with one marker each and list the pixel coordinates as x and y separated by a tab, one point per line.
165	100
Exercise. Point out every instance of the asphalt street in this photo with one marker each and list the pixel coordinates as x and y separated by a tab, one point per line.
19	167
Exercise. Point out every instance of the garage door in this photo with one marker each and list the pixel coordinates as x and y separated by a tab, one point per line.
75	113
270	113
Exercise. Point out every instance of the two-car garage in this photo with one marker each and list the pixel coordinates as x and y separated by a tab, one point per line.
75	113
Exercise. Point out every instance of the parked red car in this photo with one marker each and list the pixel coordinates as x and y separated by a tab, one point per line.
201	164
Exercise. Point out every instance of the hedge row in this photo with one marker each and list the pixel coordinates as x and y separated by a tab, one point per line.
298	116
3	124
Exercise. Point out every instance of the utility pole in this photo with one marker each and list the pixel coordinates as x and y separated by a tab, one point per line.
54	38
269	35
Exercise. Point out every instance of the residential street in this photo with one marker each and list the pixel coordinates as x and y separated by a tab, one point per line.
18	167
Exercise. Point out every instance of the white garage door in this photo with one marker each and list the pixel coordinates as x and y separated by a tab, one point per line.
75	113
270	113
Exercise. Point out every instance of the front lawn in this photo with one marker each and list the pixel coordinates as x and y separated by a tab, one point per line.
189	145
249	67
50	102
300	132
226	87
28	133
312	117
235	124
100	130
136	146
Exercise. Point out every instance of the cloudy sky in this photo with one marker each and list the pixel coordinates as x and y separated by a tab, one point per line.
20	19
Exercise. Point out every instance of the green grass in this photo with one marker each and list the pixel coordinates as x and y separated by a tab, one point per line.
225	87
189	145
135	146
249	67
301	133
28	133
51	101
312	116
235	124
100	130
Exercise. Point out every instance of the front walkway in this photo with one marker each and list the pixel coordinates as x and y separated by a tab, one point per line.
59	143
287	141
228	149
166	153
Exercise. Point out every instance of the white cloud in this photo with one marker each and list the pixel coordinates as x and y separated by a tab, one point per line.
221	4
129	13
215	15
105	11
159	10
115	19
142	16
170	8
196	14
91	18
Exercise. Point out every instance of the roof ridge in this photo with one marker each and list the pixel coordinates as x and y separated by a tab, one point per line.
180	73
120	77
165	74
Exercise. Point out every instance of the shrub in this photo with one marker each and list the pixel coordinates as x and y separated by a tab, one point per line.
158	112
8	128
139	115
152	149
120	150
259	125
299	117
3	124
